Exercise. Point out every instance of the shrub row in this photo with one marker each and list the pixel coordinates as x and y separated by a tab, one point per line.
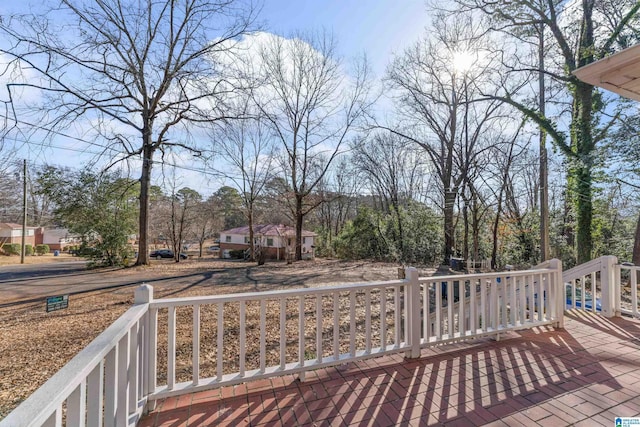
16	249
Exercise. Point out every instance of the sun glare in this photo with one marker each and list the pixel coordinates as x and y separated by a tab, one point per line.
463	60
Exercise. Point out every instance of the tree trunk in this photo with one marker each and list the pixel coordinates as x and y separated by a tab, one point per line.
496	224
145	183
583	173
252	248
449	200
465	243
636	244
400	238
584	214
299	219
475	227
544	178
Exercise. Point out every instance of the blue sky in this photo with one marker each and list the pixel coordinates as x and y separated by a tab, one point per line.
377	28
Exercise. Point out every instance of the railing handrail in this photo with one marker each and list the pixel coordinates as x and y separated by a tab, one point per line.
277	294
543	264
582	270
38	407
515	273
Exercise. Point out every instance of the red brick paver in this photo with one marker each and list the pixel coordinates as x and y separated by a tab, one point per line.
585	374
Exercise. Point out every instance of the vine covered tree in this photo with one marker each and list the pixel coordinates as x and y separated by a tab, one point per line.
579	33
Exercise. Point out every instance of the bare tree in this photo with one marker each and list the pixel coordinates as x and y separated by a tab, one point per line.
184	208
204	223
10	191
438	98
247	147
135	70
312	107
394	172
339	192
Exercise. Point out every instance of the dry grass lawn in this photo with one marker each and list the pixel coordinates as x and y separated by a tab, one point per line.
35	344
36	259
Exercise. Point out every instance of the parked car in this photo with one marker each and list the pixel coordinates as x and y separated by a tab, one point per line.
165	253
214	249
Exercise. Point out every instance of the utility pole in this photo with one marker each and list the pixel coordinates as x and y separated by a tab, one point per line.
544	180
24	209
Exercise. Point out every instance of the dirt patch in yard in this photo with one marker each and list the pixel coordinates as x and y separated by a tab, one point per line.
35	344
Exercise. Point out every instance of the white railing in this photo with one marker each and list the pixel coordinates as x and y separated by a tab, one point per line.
593	286
626	298
169	347
483	265
278	333
473	305
603	285
103	385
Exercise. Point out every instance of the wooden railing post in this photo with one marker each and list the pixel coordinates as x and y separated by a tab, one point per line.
413	311
618	292
557	292
144	295
609	286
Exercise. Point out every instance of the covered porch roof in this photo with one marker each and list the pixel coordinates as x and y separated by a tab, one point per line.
619	73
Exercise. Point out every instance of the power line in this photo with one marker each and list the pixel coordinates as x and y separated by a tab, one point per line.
82	151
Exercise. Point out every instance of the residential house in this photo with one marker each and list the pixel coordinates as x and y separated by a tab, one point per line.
12	233
276	241
57	238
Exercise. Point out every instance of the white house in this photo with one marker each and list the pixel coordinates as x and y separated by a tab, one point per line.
276	241
59	238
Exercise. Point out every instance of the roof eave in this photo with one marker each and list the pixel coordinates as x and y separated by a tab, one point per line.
615	71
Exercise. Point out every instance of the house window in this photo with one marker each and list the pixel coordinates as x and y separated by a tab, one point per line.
227	239
246	240
269	241
304	240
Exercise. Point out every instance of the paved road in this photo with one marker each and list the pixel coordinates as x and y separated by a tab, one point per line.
28	283
21	284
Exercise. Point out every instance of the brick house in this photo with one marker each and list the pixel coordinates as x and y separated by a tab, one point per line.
12	233
276	241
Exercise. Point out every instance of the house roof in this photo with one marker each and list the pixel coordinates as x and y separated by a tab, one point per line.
13	225
269	230
619	73
60	233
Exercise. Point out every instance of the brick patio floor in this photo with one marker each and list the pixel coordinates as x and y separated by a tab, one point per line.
584	375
